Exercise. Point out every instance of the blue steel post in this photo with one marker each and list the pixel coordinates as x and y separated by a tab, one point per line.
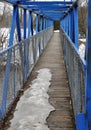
13	26
48	23
24	23
40	23
18	26
36	23
72	25
69	24
65	24
7	71
76	26
88	70
45	23
29	25
81	122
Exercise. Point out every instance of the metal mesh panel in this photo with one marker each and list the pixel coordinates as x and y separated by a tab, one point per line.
76	74
16	63
3	58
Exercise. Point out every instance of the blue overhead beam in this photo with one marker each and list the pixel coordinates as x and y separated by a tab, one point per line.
46	3
40	6
53	7
53	16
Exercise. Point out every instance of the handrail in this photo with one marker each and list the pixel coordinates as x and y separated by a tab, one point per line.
16	64
76	69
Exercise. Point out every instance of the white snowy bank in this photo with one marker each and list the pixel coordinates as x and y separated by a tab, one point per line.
33	107
82	51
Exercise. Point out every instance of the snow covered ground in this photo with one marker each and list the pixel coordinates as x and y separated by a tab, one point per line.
82	47
33	107
5	34
82	51
82	40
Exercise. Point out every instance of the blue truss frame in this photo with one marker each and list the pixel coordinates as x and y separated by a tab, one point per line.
46	13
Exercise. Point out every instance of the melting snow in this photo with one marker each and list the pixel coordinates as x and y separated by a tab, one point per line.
56	30
33	107
83	39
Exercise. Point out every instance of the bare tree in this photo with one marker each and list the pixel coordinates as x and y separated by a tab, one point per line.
82	20
5	19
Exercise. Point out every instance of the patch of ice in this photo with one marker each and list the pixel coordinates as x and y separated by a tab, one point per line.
33	107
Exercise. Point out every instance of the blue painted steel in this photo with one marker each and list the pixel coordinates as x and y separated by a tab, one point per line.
49	10
45	23
18	26
72	26
46	7
29	24
69	25
41	22
76	26
46	3
36	23
88	70
13	26
24	23
81	123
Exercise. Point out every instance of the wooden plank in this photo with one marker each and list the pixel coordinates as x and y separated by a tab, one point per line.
62	118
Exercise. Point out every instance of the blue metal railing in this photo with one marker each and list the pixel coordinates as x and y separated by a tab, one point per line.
17	61
76	71
16	64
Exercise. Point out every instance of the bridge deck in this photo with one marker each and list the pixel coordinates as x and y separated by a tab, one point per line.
52	58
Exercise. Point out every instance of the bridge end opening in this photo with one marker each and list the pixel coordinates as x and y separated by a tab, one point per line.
56	25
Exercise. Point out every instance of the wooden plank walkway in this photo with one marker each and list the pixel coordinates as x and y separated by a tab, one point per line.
52	58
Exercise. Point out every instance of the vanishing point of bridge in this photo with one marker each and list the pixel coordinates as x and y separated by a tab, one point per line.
70	90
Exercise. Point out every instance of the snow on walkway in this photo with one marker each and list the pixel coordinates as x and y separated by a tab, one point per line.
33	107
